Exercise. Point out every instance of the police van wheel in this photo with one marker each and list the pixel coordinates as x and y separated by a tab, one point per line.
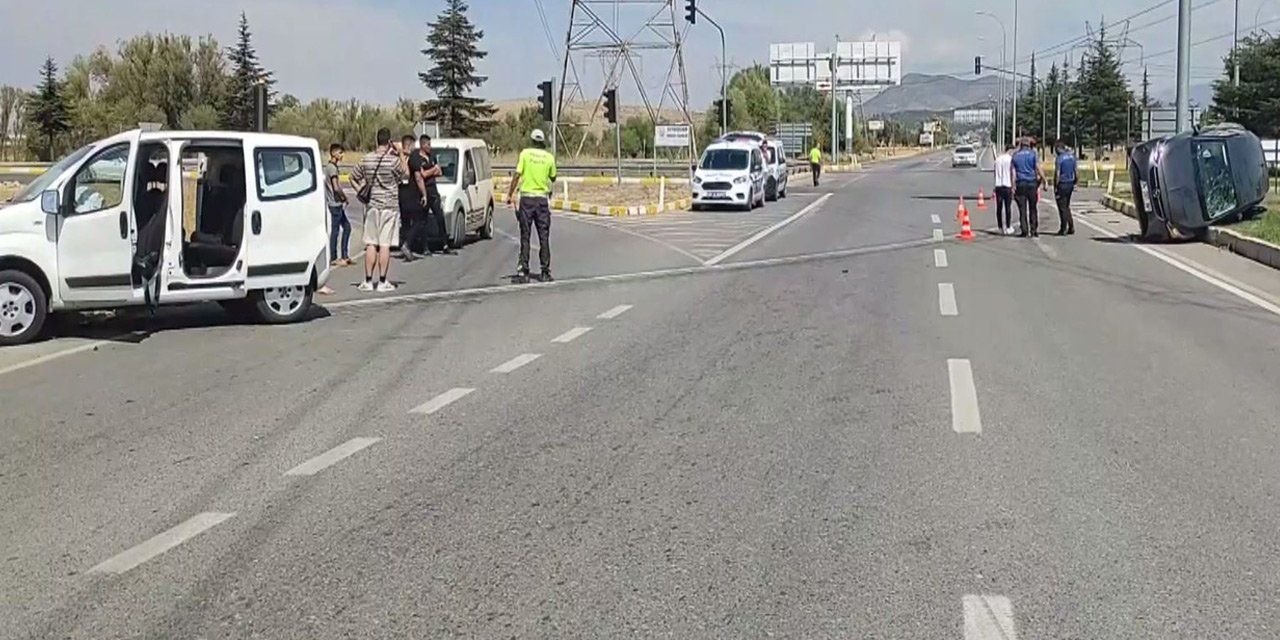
23	308
459	235
281	305
486	230
771	191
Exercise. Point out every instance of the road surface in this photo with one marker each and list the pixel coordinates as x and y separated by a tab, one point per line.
810	421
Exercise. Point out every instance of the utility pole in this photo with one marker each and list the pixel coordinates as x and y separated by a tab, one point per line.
835	134
1058	135
1235	50
1184	66
1015	68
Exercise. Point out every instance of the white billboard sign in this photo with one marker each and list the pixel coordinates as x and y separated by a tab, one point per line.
929	126
672	135
875	125
926	139
973	116
858	64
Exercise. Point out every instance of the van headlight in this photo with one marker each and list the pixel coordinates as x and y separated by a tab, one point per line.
741	180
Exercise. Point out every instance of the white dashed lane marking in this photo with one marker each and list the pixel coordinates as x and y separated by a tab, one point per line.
516	363
161	543
614	312
937	235
331	457
947	299
571	335
964	398
935	219
988	617
940	258
443	400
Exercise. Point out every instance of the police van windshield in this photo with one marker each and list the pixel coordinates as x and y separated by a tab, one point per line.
725	159
448	160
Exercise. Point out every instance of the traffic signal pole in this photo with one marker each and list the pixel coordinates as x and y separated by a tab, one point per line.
724	65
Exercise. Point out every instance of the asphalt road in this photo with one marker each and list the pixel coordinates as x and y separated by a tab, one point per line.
792	423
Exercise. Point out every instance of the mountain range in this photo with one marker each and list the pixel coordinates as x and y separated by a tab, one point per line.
921	92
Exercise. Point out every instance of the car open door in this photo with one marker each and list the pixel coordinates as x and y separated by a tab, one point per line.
286	220
96	226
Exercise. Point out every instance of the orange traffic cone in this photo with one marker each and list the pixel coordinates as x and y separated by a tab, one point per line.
966	231
982	201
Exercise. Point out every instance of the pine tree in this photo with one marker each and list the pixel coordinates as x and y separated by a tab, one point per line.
1104	94
48	110
246	72
453	45
1255	104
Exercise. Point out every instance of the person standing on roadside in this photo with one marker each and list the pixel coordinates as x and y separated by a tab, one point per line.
376	180
1064	185
412	211
815	163
426	171
336	199
1004	191
1027	179
535	173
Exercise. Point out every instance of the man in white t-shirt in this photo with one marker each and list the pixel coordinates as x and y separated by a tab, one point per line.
1004	191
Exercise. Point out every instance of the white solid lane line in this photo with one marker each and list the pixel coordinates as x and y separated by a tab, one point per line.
614	312
161	543
935	219
571	335
516	363
937	235
1181	265
964	398
766	232
947	299
443	400
988	617
49	357
940	258
331	457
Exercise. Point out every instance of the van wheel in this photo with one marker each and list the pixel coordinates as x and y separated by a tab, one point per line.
771	191
281	305
486	230
23	308
459	235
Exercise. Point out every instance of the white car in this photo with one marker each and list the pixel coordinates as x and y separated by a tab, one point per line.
730	174
964	156
250	230
466	188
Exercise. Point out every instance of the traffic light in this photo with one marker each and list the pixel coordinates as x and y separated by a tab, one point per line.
691	11
611	105
977	65
544	100
724	110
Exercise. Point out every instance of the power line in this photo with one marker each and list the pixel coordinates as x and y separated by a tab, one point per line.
1066	45
1197	43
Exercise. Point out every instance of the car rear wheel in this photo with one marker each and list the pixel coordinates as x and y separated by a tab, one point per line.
459	235
771	191
281	305
23	308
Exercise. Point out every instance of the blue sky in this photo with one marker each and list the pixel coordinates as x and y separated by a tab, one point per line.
321	47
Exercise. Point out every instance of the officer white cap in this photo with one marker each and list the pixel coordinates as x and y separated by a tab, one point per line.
538	136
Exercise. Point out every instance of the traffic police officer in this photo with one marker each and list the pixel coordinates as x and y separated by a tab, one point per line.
815	163
535	173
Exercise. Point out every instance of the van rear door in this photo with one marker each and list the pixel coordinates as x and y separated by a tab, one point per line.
286	229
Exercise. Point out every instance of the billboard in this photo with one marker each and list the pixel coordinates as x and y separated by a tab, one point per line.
858	64
672	135
973	116
875	125
926	139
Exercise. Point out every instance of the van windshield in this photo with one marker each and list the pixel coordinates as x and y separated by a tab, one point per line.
725	159
448	160
42	182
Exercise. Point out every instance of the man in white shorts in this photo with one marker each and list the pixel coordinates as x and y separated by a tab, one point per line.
380	172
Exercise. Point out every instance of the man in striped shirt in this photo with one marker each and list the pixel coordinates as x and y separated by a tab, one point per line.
381	170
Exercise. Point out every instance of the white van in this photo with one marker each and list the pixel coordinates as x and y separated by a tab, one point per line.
167	217
730	173
466	187
776	165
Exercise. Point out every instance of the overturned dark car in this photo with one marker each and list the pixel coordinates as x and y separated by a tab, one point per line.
1186	182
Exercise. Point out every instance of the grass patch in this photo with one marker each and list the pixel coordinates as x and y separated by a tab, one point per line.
1266	226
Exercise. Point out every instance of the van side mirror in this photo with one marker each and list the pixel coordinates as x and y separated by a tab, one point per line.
49	202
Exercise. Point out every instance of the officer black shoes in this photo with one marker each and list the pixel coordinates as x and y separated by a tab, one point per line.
546	277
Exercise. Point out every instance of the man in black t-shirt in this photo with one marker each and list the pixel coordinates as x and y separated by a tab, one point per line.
433	213
411	207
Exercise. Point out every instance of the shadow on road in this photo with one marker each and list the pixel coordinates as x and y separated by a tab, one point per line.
133	326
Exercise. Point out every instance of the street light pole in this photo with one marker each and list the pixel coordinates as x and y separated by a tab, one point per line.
1004	64
724	78
835	138
1015	69
1235	48
1184	66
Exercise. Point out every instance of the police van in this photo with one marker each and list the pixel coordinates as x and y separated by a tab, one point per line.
466	187
167	217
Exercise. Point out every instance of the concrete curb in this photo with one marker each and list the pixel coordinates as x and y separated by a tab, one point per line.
558	204
1254	249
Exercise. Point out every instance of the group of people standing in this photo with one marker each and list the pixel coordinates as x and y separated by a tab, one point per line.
1019	179
396	183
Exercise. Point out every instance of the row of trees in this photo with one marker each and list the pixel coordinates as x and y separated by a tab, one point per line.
193	83
1255	103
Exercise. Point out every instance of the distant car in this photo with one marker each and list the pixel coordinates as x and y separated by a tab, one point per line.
730	174
1186	182
964	156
